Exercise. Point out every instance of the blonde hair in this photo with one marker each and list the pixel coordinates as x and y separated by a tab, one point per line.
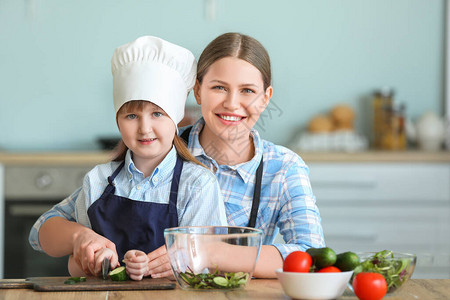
236	45
120	151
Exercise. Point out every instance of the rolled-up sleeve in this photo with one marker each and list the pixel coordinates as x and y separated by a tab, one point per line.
64	209
300	222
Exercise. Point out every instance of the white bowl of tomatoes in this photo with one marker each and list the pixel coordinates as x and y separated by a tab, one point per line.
314	285
316	274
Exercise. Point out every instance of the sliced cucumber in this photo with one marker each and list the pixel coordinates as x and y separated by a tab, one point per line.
220	281
118	274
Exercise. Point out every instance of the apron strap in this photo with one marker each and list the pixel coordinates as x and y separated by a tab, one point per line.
256	195
113	176
110	189
174	186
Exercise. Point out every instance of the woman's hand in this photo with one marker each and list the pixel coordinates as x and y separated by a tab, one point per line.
85	244
159	264
136	264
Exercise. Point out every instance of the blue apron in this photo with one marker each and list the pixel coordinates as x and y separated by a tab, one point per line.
132	224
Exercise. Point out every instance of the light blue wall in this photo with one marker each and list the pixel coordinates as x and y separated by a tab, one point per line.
55	80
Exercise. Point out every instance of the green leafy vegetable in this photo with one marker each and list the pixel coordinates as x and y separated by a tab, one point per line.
68	281
214	280
395	271
73	280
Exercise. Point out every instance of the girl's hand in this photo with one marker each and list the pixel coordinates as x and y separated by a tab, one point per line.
159	264
74	269
85	244
136	264
100	255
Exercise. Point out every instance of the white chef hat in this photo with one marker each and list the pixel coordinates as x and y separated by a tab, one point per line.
155	70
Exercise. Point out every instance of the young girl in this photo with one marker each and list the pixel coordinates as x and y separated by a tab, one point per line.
265	186
154	182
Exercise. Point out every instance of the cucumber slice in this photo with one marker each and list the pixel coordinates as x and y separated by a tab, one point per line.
118	274
220	281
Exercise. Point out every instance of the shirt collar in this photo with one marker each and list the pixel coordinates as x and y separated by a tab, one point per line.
246	170
194	142
161	172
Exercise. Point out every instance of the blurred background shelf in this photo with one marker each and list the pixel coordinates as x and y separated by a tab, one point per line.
376	156
97	157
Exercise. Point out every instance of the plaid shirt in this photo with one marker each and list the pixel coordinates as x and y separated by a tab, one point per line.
287	204
199	202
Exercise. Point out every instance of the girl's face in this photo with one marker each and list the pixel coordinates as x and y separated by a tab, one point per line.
147	131
232	97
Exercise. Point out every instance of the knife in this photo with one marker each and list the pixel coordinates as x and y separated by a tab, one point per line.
105	268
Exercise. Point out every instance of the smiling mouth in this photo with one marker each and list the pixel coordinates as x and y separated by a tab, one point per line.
230	118
147	140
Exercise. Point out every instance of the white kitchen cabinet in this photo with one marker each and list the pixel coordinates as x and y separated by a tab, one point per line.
398	206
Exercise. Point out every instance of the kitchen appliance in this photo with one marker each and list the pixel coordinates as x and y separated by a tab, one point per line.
29	192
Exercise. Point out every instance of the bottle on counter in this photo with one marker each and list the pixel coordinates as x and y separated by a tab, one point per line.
394	133
381	105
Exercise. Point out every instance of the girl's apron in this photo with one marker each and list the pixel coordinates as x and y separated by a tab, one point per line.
132	224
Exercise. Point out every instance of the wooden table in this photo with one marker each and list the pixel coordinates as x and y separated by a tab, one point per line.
258	289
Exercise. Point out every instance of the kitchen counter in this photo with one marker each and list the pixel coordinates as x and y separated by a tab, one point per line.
98	157
55	158
257	289
377	156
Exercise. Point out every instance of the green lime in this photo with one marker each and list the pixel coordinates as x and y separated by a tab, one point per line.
322	257
118	274
347	261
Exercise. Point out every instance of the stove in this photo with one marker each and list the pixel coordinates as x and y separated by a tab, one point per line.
30	191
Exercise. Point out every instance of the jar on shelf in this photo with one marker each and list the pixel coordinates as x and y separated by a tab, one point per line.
394	133
381	106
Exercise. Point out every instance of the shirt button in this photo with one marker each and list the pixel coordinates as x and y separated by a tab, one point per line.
138	187
156	179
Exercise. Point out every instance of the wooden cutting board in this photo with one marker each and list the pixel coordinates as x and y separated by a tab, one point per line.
51	284
15	284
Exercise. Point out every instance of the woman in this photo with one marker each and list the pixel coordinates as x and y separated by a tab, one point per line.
233	88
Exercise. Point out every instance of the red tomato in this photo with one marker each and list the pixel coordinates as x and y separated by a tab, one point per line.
369	286
329	269
297	261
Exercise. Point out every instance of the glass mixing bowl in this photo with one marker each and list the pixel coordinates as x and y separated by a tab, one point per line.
213	257
395	267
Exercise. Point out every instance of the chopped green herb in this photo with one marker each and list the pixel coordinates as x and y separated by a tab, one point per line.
68	281
73	280
214	280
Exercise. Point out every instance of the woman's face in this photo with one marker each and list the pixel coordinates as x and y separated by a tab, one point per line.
232	97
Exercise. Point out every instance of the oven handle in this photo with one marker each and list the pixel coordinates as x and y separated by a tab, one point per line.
28	210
